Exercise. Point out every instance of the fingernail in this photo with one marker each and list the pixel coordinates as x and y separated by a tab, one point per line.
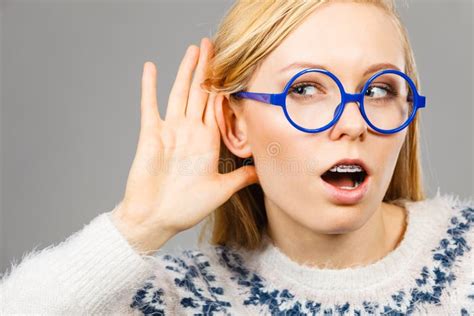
190	48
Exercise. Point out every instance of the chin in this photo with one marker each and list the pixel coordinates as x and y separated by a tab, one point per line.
335	219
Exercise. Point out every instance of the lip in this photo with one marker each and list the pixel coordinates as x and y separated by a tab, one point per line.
342	196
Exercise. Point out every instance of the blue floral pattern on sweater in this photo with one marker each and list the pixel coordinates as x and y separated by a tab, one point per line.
201	295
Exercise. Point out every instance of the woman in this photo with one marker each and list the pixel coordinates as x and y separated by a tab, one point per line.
302	146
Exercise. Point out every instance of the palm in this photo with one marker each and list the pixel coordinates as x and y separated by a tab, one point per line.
174	178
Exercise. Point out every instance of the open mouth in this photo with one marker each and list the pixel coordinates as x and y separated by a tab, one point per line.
347	177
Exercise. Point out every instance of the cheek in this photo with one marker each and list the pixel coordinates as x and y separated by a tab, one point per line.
267	131
386	152
285	167
272	140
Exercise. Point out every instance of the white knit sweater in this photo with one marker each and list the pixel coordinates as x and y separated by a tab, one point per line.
95	271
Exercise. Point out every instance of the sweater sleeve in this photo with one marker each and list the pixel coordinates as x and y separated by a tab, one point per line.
88	273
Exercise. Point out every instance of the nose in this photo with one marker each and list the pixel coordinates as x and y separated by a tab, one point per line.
351	123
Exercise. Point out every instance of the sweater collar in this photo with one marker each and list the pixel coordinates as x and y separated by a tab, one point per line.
427	220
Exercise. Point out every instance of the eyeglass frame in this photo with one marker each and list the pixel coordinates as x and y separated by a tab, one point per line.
278	99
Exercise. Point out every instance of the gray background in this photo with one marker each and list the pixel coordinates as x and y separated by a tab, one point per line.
70	91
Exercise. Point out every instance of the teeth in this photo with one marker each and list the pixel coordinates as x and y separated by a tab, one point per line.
356	184
346	168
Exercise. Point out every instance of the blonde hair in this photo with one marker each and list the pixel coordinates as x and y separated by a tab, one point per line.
246	35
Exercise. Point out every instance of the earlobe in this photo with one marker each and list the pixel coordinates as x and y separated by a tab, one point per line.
232	126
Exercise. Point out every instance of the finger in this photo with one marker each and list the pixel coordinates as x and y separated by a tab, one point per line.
180	90
239	179
150	116
209	111
197	96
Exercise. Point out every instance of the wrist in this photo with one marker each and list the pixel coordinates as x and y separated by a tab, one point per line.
141	238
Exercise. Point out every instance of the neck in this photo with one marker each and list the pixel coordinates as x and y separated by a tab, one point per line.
360	246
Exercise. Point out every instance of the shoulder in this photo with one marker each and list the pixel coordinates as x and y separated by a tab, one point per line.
453	217
444	224
454	253
450	213
440	234
460	215
190	278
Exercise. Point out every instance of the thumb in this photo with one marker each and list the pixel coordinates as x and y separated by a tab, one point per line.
239	179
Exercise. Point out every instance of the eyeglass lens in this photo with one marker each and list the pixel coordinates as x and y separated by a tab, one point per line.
313	98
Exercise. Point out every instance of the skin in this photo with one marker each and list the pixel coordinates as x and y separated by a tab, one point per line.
176	155
304	222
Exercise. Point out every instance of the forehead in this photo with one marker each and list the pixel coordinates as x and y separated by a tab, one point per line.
342	36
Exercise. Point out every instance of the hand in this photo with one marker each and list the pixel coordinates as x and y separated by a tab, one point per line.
174	183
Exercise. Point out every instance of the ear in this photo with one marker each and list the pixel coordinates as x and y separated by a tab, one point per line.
232	125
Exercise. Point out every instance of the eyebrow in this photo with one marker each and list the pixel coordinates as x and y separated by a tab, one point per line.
371	69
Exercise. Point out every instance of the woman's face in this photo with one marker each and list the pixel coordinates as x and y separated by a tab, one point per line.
347	38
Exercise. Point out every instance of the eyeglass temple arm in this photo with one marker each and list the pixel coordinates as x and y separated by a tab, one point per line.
262	97
270	98
421	100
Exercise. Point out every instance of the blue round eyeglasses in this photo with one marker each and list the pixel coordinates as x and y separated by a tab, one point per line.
320	107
